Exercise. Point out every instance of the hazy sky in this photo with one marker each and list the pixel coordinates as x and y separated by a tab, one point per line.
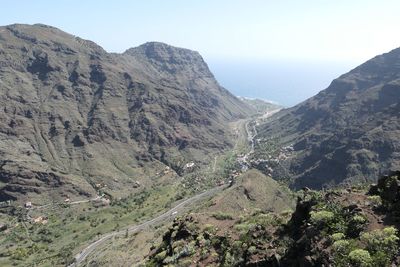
324	29
338	31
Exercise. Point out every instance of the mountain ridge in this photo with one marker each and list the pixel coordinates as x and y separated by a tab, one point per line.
73	111
347	132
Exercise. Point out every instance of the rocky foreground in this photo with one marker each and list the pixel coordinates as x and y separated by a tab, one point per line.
347	227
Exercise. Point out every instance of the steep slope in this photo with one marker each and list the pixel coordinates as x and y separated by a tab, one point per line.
252	190
332	228
348	132
74	116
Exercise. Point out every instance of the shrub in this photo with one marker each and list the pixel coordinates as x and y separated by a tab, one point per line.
337	237
381	240
19	254
264	219
358	219
383	244
341	250
321	217
286	213
356	225
375	201
360	258
209	228
341	247
161	256
228	260
252	249
222	216
244	227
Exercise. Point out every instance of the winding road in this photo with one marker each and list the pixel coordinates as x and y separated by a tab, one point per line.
80	257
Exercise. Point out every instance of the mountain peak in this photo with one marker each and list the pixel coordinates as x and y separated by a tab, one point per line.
170	59
166	53
159	46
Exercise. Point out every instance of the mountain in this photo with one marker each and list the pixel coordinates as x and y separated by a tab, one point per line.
74	117
348	132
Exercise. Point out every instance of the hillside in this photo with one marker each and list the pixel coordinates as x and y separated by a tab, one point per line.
251	190
349	227
348	133
75	118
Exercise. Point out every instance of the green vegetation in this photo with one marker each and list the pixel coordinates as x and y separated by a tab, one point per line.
375	201
70	227
350	244
266	148
330	228
382	244
55	242
222	216
248	236
360	258
337	236
321	217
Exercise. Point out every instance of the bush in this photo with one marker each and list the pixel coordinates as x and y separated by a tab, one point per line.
358	219
360	258
209	228
19	254
244	227
222	216
383	244
252	249
375	201
356	225
321	217
337	237
341	247
341	250
286	213
381	240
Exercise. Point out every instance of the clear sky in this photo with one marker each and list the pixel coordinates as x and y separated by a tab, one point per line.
339	31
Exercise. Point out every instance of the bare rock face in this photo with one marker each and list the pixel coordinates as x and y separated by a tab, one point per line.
348	132
73	115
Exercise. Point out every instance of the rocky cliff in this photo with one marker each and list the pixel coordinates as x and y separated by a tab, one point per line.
73	116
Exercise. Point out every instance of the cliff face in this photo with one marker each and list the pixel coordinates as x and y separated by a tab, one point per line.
73	115
348	132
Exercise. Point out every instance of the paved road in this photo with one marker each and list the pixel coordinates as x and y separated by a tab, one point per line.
80	257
